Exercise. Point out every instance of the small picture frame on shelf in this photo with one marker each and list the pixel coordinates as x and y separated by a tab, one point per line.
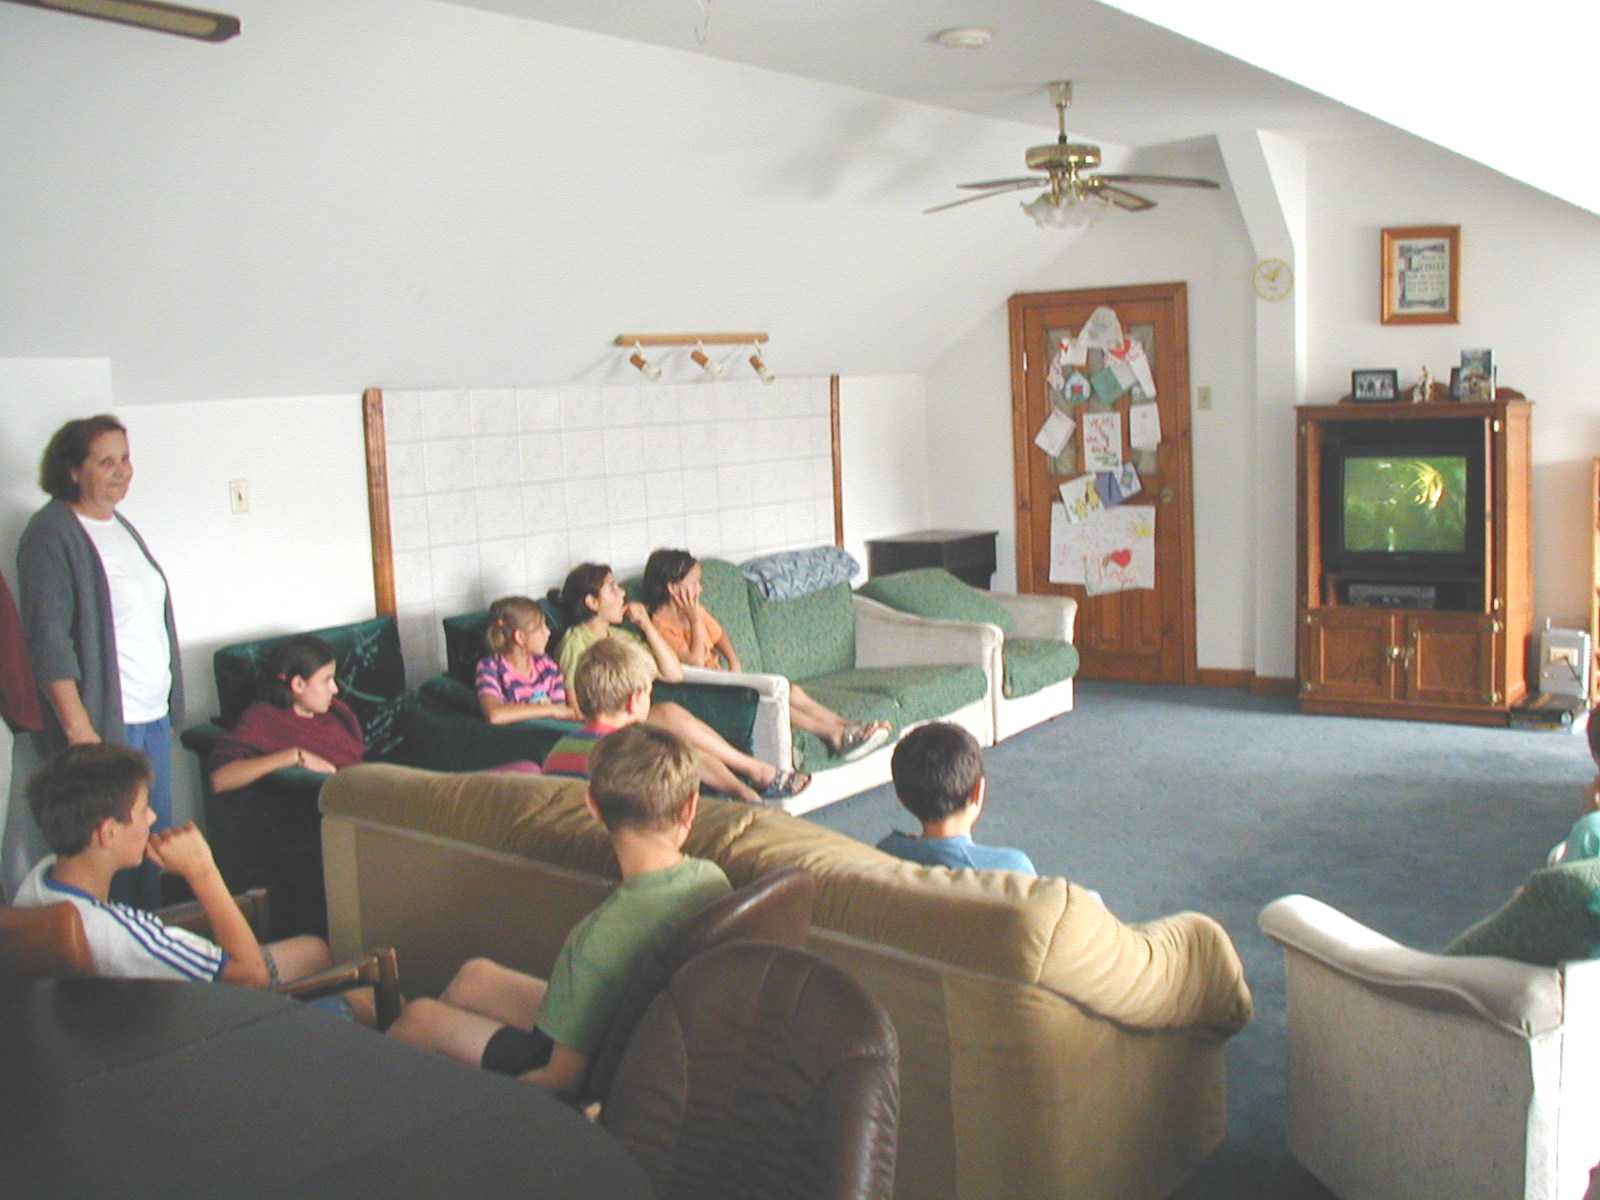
1477	376
1455	384
1374	386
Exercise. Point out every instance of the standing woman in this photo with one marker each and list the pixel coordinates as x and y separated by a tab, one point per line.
97	615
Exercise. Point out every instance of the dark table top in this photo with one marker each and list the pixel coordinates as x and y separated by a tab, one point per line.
933	535
134	1088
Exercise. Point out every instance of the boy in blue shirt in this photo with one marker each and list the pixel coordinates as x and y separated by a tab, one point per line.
938	776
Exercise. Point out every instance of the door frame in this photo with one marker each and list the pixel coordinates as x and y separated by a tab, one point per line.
1017	307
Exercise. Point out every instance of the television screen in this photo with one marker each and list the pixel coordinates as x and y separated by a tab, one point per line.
1405	504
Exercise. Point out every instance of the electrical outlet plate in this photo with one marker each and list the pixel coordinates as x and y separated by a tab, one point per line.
239	496
1202	397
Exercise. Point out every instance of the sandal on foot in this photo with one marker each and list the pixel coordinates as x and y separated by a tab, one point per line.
861	740
785	785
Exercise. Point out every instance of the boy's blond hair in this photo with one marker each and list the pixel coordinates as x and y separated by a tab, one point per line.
642	776
609	674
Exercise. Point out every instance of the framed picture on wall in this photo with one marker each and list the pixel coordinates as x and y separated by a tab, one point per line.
1421	275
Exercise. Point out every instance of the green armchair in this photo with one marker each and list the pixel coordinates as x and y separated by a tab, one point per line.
269	833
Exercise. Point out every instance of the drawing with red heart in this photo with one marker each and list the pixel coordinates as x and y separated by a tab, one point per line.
1121	557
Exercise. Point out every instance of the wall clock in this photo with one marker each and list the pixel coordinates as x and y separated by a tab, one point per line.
1273	279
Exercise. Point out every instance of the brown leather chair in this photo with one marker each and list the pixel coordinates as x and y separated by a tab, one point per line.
775	908
47	942
43	943
761	1071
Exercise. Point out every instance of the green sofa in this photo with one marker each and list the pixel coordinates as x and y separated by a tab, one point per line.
1031	678
268	834
861	659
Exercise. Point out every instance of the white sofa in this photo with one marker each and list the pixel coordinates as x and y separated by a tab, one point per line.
1415	1075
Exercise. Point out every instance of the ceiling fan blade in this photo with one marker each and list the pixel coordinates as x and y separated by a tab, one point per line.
1163	180
1018	186
1014	181
1124	200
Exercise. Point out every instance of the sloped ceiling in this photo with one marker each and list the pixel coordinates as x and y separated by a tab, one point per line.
1138	83
412	193
1510	91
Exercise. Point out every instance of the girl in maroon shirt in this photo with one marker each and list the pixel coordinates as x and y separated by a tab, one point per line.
299	722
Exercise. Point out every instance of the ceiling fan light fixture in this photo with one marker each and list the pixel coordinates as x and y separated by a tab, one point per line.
1067	211
149	14
964	37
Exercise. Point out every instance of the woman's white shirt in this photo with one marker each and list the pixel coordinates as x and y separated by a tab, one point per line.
138	610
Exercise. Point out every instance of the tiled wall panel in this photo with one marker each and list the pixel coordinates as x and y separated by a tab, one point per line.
496	491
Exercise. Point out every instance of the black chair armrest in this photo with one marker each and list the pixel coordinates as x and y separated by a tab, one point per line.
202	739
377	969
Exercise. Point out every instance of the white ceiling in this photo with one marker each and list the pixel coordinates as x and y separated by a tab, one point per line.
1136	83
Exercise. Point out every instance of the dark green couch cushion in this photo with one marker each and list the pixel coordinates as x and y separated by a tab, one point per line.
1554	917
807	637
371	675
811	752
1029	664
727	598
934	592
917	693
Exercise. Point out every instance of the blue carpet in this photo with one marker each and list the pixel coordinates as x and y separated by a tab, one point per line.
1165	799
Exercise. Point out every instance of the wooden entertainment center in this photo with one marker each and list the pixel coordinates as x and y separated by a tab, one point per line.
1420	640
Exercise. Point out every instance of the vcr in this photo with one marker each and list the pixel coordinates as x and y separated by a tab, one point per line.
1393	595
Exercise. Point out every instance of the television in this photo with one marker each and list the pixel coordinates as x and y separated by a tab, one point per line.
1403	501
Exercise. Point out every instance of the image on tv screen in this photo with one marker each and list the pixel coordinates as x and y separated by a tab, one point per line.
1405	504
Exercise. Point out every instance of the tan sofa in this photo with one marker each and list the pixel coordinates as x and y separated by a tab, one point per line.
1047	1049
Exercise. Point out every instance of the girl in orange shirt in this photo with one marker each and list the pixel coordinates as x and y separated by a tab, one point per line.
671	591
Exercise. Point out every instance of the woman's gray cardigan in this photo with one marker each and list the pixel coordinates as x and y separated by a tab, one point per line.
67	619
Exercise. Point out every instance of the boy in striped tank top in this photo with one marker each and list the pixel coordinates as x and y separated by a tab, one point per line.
92	803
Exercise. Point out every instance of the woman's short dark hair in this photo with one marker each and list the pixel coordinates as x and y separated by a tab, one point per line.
66	451
583	581
303	655
663	569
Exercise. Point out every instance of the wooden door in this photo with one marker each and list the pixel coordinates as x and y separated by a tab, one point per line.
1451	658
1141	635
1351	654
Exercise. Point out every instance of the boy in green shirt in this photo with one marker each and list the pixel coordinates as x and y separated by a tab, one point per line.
643	787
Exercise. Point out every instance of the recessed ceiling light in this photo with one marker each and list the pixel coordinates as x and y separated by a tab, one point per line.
966	37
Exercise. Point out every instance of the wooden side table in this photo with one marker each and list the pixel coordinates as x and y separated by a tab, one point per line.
968	554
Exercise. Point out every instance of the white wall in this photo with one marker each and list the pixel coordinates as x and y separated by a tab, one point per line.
1528	266
1198	238
403	190
1528	262
884	437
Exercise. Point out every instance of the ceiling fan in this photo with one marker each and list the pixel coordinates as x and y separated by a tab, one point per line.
154	15
1076	196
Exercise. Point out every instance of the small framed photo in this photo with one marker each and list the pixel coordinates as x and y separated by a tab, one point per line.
1477	372
1421	275
1455	384
1374	386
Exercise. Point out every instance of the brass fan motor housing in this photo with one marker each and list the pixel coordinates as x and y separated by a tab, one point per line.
1061	156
